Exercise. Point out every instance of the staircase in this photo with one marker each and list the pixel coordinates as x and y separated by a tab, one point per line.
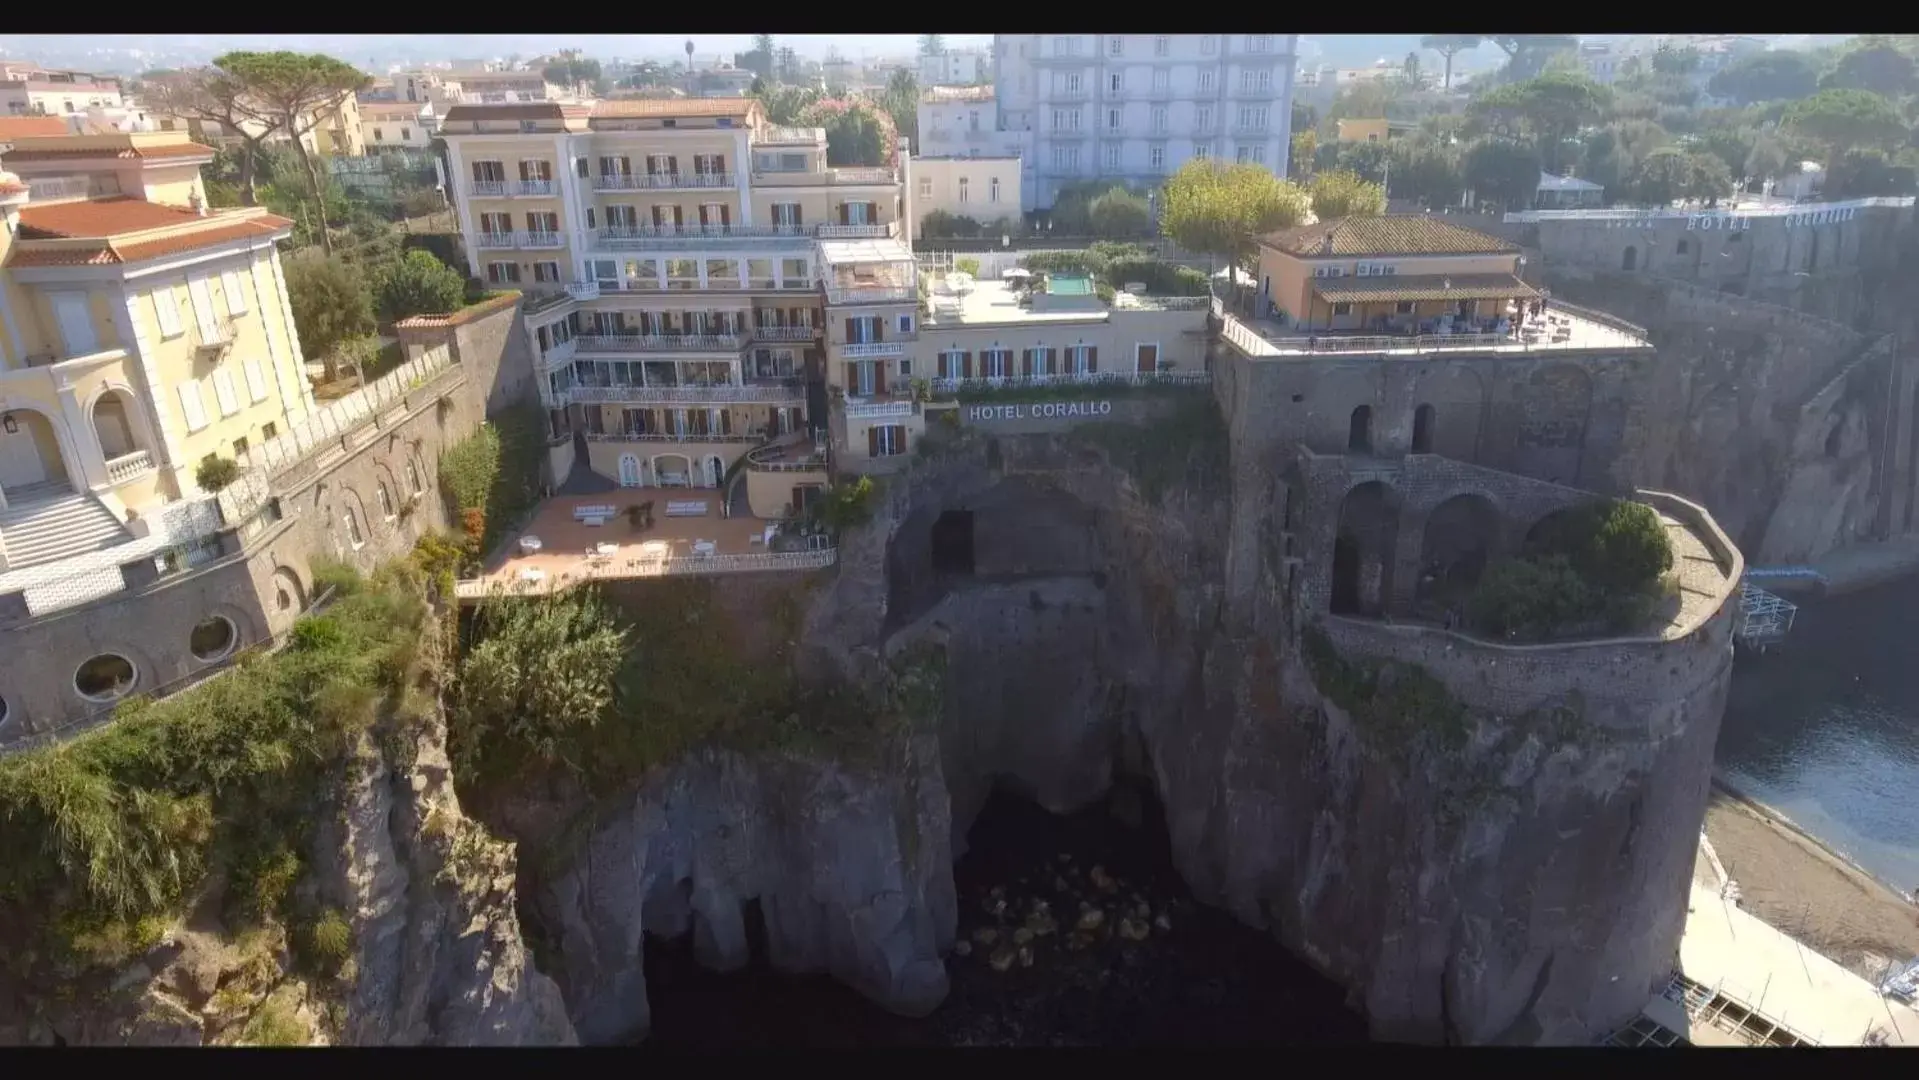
44	523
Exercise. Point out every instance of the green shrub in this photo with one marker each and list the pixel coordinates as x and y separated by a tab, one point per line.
329	941
1617	545
274	1024
418	283
262	882
1531	597
496	470
339	578
967	266
215	472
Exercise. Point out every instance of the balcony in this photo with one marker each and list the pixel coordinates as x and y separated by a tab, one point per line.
1253	92
877	410
532	187
675	343
1261	130
670	437
754	392
694	237
129	466
854	175
488	189
870	350
859	232
799	334
538	240
871	294
584	290
662	181
789	136
557	355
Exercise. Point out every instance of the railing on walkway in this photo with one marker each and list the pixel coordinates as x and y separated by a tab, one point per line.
771	391
616	568
1088	378
661	342
178	540
81	725
329	435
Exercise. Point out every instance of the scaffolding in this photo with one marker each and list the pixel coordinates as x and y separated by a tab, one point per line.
1710	1006
1764	618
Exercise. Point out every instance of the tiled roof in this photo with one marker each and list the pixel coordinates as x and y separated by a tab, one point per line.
99	218
646	108
1402	288
104	220
1407	234
142	153
25	127
529	110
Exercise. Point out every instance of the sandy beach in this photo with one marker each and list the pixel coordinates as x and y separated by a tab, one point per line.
1798	886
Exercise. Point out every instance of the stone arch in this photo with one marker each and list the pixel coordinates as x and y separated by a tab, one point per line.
1554	406
118	423
289	595
1423	416
1359	430
1459	538
673	470
356	528
36	455
1363	549
389	495
1630	259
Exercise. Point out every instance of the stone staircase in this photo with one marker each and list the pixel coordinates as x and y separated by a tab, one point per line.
44	523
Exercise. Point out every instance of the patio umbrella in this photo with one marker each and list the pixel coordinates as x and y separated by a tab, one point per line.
1017	273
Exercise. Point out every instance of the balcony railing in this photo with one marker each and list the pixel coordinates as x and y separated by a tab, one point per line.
662	181
653	566
878	410
583	290
756	392
536	240
503	241
487	189
674	437
788	136
561	353
129	466
859	232
661	342
771	458
871	350
785	333
870	294
945	386
1059	94
1254	92
533	187
1262	128
856	174
668	237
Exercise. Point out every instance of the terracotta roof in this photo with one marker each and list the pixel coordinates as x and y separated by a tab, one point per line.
263	226
142	153
1402	288
647	108
105	219
98	218
530	110
1401	234
26	127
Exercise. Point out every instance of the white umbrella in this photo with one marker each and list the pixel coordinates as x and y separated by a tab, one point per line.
1017	273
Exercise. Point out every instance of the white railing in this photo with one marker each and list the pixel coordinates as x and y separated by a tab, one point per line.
487	189
858	232
671	437
187	524
857	174
868	350
1078	378
324	437
785	333
533	187
762	393
1254	345
668	237
871	294
583	290
760	459
643	566
877	410
57	187
661	181
1815	212
539	239
503	241
788	136
1162	303
128	466
661	342
560	353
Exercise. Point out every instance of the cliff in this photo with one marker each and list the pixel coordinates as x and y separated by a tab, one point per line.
1476	860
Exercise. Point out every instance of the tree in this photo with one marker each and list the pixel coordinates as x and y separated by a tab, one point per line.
857	131
1219	209
331	305
1305	145
1415	78
539	677
901	100
1842	120
1879	68
1733	146
1426	171
1552	107
1340	193
1671	173
418	283
1526	54
1779	75
1119	213
212	96
785	103
300	92
1668	60
1502	172
932	44
1449	46
572	70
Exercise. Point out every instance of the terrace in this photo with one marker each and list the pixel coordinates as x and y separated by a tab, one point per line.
1562	327
874	271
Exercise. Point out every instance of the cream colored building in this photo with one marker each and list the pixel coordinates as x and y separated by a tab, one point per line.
985	189
396	125
501	87
27	90
692	258
139	335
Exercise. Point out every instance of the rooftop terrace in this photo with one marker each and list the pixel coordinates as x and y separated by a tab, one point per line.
995	303
1565	327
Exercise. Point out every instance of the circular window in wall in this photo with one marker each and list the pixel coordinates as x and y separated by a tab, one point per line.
212	638
106	677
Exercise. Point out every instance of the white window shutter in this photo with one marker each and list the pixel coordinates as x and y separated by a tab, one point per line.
166	307
256	382
203	309
234	286
223	389
190	405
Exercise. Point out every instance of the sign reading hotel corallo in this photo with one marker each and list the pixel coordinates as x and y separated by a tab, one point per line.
1038	410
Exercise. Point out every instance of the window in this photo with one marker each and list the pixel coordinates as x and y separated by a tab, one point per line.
962	189
240	448
886	440
1251	154
1071	83
503	273
1252	117
353	532
992	190
1066	46
1209	44
224	393
1156	157
191	407
952	364
1404	307
268	431
1112	119
386	502
1066	158
1203	118
972	120
548	272
1161	46
167	307
1116	83
1159	119
413	478
906	367
378	136
256	381
926	187
233	289
1342	309
1684	247
1115	45
1112	156
1259	81
1259	42
906	324
1206	82
406	134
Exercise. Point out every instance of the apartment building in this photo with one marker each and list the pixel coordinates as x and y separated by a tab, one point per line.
986	189
396	125
1134	107
30	90
502	87
954	67
139	335
687	258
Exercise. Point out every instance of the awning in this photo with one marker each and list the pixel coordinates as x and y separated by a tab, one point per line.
1400	288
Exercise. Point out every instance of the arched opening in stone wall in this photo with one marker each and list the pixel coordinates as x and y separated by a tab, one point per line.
113	425
1461	536
1359	430
1363	550
953	543
1630	260
32	457
1423	430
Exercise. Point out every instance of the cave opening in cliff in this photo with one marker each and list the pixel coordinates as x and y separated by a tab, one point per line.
952	542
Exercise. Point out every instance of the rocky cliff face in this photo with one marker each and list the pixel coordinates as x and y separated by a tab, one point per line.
1504	876
436	956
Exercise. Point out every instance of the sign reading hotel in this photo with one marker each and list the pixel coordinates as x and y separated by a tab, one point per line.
1740	220
1039	410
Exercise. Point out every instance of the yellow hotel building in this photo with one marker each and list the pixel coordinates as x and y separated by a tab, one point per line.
703	287
140	333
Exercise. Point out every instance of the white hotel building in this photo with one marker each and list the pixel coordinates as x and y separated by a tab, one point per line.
1134	107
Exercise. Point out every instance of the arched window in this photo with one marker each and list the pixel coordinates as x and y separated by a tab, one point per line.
1359	432
1423	430
413	478
353	531
1630	260
386	502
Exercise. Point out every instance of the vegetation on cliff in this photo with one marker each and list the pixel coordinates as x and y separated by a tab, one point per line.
1597	567
1398	708
491	478
1186	448
105	840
